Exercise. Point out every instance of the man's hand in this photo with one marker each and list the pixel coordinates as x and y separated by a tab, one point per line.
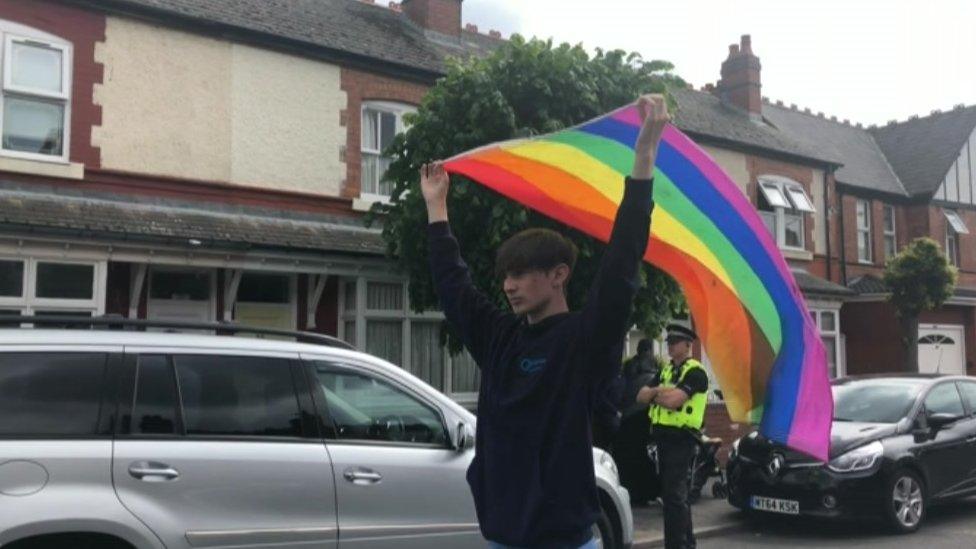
434	184
653	110
646	394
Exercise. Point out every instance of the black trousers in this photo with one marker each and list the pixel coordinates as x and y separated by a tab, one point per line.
675	453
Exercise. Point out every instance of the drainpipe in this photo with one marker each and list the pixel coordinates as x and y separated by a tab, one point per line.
843	236
826	201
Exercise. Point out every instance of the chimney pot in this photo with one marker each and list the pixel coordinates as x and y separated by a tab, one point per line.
807	110
733	50
792	106
746	43
936	111
847	121
779	102
859	125
395	6
471	27
494	34
833	119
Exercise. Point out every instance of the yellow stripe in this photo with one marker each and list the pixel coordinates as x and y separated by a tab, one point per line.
609	182
574	162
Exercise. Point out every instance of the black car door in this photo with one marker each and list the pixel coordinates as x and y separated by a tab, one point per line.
944	451
968	390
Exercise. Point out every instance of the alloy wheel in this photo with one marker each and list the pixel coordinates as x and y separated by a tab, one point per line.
907	499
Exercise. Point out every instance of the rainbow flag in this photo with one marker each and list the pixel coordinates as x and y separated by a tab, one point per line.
760	340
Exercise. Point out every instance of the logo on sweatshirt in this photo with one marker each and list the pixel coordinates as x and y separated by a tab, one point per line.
532	365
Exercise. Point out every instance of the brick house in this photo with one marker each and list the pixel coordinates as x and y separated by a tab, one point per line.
211	160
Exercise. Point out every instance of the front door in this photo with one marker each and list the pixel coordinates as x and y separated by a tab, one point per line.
941	349
399	483
216	452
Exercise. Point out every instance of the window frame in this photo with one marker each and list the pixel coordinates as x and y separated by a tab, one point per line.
779	193
359	315
11	33
313	364
865	230
389	107
817	314
951	245
28	303
890	233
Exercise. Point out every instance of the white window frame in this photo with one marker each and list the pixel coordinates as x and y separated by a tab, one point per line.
28	303
817	315
865	230
13	32
890	232
789	200
360	315
212	276
396	109
958	225
952	245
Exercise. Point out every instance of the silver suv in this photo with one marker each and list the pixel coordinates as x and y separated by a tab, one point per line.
112	439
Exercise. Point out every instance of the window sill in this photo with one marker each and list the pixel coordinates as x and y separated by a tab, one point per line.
797	254
864	262
69	170
366	201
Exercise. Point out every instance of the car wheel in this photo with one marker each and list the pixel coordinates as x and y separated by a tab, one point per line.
906	502
603	532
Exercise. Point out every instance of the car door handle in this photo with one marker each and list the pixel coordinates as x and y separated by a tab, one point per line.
362	476
150	471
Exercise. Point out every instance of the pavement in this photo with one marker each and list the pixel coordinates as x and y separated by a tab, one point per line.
710	518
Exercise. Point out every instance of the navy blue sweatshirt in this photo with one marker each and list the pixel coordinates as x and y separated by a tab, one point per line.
532	476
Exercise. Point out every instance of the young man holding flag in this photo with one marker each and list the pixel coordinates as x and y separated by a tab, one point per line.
532	476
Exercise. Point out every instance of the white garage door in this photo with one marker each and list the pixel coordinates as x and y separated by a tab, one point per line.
941	349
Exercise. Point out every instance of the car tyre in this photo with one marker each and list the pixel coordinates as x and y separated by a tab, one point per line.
906	503
603	532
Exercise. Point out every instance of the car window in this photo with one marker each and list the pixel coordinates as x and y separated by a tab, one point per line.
51	393
155	407
365	408
944	399
968	390
238	396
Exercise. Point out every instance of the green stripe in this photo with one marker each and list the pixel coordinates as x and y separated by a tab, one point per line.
747	285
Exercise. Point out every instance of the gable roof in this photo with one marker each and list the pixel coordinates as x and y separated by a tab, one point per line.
922	150
343	28
864	165
701	113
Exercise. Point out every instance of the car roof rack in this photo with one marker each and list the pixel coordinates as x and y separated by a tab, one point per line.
117	322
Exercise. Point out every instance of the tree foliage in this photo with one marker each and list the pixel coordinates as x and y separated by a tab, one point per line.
525	88
920	279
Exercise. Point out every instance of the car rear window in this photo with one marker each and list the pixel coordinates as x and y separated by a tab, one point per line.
50	394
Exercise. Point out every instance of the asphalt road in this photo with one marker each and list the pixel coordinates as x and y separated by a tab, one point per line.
950	526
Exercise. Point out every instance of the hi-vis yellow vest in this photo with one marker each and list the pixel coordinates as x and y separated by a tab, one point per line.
692	412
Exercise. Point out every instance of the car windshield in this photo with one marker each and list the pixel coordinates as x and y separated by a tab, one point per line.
875	400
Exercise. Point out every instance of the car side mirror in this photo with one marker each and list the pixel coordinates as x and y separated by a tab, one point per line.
463	438
939	420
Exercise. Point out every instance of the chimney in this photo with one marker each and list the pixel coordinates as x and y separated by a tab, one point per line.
740	84
440	16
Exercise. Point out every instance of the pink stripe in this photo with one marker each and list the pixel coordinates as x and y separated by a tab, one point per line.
812	417
628	115
724	185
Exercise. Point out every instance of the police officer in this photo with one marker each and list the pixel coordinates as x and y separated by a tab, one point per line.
677	411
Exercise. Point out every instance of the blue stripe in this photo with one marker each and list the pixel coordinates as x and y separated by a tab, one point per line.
783	386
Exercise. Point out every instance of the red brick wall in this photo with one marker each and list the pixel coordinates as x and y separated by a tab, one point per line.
873	338
443	16
363	86
83	29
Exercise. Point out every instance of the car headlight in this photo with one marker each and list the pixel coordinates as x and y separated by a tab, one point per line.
610	465
858	459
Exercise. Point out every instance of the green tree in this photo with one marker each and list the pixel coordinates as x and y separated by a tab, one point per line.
920	279
525	88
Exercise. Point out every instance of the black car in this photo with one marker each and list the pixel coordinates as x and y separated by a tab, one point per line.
899	444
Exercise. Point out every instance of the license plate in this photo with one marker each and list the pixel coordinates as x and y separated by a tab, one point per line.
773	505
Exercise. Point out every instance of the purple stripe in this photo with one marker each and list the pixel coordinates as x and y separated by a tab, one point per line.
732	194
628	115
810	430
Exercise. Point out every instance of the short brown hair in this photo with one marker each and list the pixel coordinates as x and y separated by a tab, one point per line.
534	250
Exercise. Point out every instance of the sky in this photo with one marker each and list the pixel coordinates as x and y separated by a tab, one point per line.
870	61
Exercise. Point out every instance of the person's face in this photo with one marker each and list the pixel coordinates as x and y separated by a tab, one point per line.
531	292
678	348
